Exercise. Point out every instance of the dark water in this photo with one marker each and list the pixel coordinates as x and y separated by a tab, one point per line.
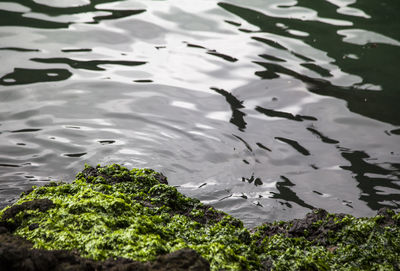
264	109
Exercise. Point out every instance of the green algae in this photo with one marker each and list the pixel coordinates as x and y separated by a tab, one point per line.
334	242
115	212
138	219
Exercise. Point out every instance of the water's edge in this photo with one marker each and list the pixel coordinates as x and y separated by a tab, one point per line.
210	238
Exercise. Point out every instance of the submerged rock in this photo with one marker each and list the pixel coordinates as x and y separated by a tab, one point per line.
112	218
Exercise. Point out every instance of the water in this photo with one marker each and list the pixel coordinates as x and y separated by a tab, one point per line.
264	109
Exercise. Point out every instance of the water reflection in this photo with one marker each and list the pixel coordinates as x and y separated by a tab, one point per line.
93	65
29	76
237	115
47	14
265	110
375	53
380	185
287	195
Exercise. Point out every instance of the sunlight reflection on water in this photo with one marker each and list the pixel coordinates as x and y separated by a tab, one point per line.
264	110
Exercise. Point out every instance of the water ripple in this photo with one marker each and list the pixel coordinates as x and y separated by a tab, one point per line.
264	110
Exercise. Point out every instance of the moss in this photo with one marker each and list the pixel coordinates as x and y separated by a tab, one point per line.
335	242
115	212
196	213
101	217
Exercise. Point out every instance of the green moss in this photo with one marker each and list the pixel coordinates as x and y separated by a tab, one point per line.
133	219
196	213
115	212
333	243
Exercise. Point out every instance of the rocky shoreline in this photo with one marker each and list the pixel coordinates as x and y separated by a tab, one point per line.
112	218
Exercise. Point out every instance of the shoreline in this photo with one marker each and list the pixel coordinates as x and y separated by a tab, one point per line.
112	218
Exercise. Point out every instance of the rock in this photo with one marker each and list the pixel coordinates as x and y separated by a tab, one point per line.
181	260
41	205
17	254
112	218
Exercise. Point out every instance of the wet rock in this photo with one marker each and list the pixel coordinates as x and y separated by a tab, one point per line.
133	220
324	241
41	205
387	217
90	173
307	227
17	254
161	178
181	260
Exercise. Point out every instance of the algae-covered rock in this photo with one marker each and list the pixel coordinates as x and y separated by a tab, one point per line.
112	218
111	212
323	241
17	254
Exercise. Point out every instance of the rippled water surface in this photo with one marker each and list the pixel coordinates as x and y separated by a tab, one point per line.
263	108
